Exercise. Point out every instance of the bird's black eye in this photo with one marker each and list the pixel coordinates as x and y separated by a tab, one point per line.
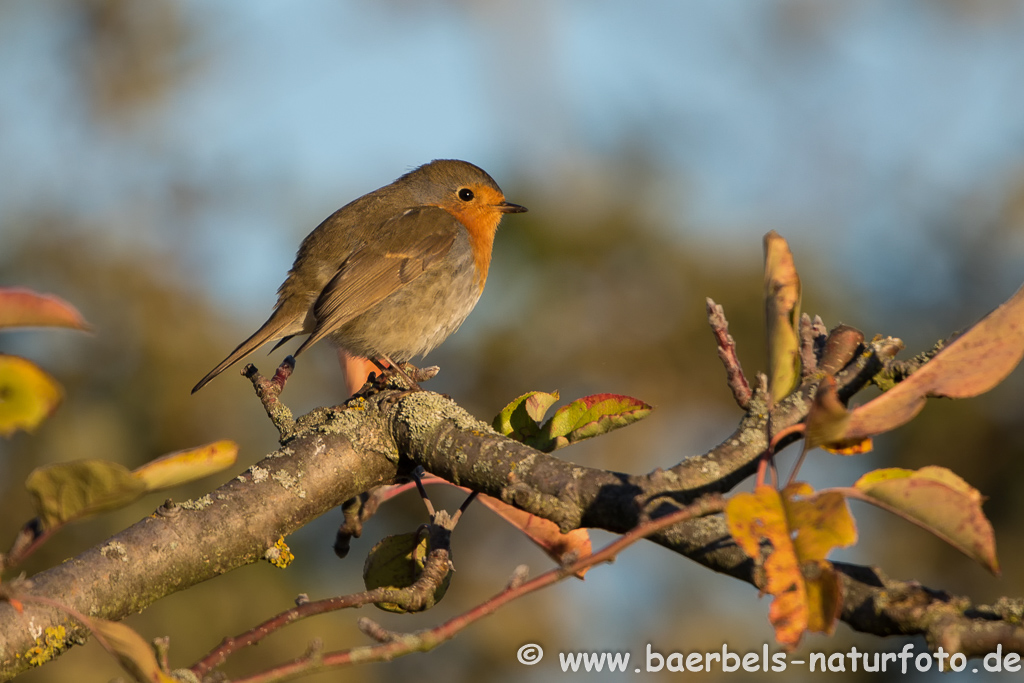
466	194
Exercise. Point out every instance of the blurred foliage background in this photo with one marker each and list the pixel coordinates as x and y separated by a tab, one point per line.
162	161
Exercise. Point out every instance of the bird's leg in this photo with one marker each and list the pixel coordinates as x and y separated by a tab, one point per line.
357	370
413	386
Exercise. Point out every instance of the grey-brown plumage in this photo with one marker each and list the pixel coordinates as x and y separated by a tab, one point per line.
392	274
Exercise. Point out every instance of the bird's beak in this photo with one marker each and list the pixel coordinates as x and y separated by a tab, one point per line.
508	207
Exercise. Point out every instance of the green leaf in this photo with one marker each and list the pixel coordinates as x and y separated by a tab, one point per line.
68	491
521	418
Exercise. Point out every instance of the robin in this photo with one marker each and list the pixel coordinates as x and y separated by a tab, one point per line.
389	276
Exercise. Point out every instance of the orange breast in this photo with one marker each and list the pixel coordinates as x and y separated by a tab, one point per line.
481	219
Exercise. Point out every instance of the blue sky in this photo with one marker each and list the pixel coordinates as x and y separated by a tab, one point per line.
842	125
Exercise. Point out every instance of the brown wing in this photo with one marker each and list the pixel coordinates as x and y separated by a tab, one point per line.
402	250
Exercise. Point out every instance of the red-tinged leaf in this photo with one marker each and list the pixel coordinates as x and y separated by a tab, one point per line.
135	654
67	491
520	419
24	308
782	316
28	395
560	547
827	418
971	364
188	465
592	416
935	499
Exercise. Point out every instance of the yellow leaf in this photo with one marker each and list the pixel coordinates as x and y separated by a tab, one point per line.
27	395
187	465
820	522
782	316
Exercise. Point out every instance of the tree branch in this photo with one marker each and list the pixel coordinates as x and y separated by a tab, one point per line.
332	455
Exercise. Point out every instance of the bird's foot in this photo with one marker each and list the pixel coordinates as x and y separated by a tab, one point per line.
403	377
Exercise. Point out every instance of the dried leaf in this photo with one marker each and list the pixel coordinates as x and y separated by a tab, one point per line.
24	308
28	395
782	316
971	364
937	500
136	655
397	562
827	422
187	465
67	491
562	548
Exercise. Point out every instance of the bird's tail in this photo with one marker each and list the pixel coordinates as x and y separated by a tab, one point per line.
279	325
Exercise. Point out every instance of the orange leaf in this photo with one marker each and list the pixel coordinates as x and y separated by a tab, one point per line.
820	522
971	364
27	395
762	515
824	596
24	308
852	447
543	532
938	500
782	315
802	529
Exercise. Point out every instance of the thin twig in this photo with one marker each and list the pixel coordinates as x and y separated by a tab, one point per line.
396	645
435	568
808	347
727	352
269	390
